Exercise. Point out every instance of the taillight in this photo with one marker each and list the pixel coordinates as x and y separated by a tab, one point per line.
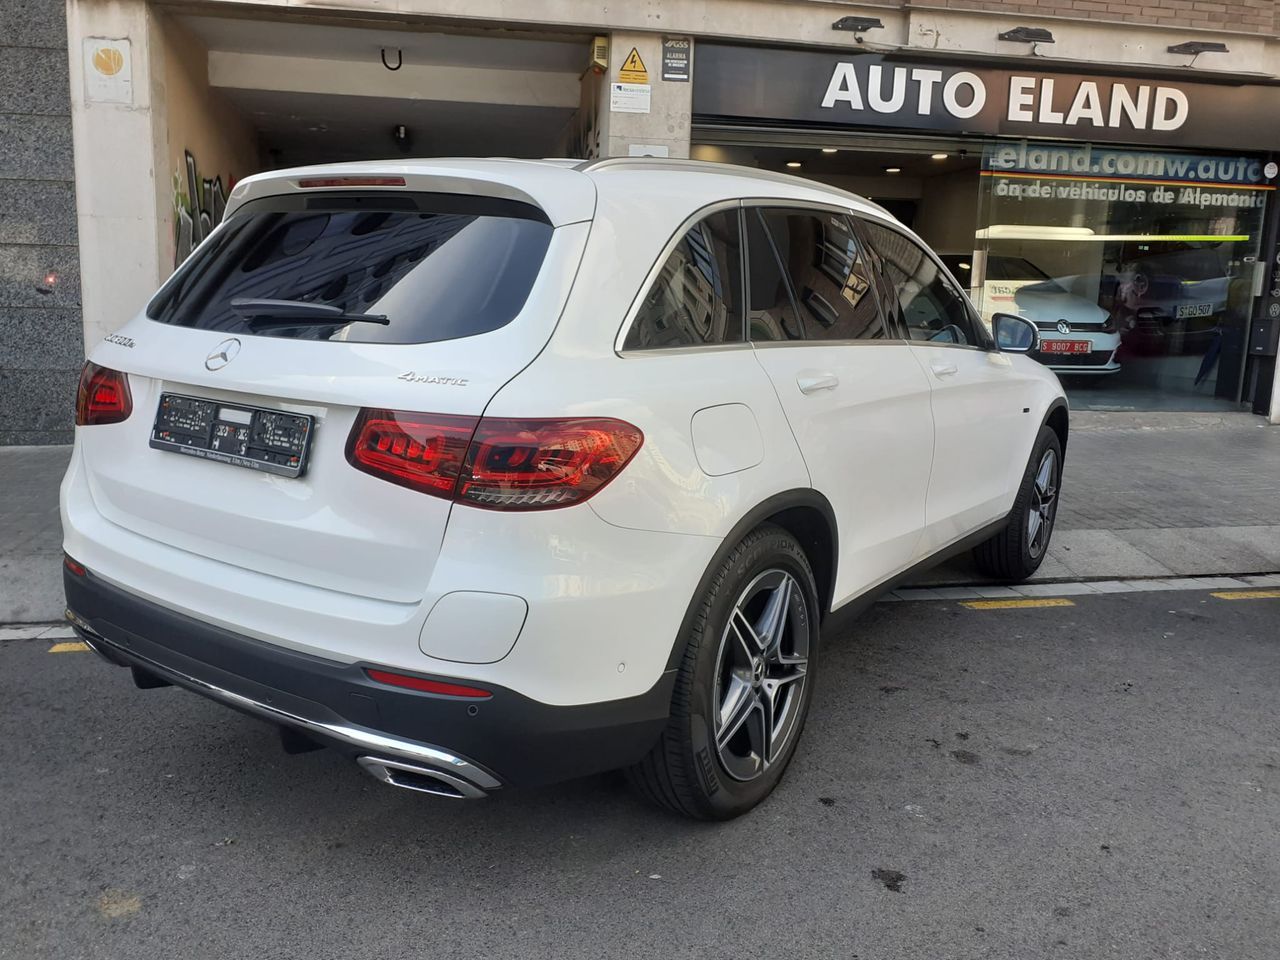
102	397
501	464
537	464
418	451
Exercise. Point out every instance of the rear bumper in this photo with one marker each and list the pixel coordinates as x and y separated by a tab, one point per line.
507	740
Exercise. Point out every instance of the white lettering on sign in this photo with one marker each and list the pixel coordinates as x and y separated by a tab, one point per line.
977	95
927	80
843	88
1041	100
875	90
1048	101
1161	118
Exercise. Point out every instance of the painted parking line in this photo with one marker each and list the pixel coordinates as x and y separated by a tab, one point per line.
1254	585
1248	595
1020	604
73	646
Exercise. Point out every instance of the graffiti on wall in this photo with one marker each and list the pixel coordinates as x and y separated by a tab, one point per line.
198	205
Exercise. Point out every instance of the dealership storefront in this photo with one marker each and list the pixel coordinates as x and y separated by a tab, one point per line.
1132	218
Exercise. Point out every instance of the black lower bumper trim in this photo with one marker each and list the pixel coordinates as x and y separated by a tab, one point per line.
508	739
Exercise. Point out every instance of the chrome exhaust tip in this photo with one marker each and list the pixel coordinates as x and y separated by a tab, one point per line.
410	776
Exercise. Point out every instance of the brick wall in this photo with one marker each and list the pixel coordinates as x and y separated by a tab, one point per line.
1253	16
41	336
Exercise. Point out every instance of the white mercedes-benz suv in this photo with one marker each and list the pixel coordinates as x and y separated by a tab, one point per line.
495	472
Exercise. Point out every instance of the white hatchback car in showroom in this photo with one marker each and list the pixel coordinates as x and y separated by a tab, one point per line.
1077	336
490	472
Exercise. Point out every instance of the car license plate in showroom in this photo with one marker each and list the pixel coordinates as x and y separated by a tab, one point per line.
1187	310
253	437
1065	346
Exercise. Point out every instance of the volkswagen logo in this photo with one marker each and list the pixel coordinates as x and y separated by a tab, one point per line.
1064	327
222	354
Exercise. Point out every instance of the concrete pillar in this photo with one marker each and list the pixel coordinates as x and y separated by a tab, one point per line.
666	125
119	196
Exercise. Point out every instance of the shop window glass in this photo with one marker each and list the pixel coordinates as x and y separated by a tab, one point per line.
696	298
829	279
931	307
1137	266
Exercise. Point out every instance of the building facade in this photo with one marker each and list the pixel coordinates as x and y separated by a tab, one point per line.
1104	167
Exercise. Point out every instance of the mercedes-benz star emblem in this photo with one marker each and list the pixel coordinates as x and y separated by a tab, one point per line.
1064	327
222	354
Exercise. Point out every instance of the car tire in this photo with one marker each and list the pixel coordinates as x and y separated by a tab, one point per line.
748	667
1017	551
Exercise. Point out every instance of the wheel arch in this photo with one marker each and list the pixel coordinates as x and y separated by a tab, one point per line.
804	513
1058	419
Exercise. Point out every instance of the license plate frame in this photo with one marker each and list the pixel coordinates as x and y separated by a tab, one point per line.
1193	311
1065	347
243	435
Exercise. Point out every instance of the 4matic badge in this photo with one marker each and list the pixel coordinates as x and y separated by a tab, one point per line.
222	354
411	376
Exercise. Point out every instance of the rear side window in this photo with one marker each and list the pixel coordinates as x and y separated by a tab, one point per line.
429	267
696	298
829	276
931	307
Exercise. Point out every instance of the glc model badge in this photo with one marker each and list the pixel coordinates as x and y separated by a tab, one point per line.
222	354
1064	327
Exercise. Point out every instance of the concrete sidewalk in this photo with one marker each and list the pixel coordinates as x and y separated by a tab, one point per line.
1145	495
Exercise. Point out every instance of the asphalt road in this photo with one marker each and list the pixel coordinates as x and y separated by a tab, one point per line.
1095	780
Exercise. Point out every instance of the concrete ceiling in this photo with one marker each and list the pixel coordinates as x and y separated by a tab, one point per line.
299	128
317	92
363	43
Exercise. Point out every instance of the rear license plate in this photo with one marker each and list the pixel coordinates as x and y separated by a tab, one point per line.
1065	346
1188	310
253	437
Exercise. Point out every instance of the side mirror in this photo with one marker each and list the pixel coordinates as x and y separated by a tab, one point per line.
1015	334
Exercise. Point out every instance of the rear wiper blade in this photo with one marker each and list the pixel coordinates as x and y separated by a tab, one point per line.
300	311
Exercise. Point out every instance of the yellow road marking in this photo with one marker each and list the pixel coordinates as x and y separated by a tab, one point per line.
71	646
1248	595
1018	604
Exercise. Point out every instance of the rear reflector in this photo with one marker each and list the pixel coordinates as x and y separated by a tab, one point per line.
73	566
427	686
499	464
309	183
102	397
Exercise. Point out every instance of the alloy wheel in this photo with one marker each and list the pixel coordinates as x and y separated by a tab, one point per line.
1044	503
761	670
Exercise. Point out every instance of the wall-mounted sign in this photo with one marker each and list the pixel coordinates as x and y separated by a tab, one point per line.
879	90
633	69
108	70
629	97
675	59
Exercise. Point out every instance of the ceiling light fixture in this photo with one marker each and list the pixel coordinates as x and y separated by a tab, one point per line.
793	164
828	149
892	169
939	156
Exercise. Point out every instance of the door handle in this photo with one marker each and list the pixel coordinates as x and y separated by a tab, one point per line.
944	369
822	381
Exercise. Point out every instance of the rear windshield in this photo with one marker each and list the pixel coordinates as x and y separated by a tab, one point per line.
429	267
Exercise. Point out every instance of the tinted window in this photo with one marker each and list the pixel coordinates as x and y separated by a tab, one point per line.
929	304
437	267
829	277
771	310
696	296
